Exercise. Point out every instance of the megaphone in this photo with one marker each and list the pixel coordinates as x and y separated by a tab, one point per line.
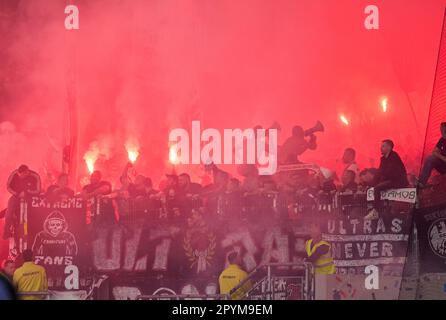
318	127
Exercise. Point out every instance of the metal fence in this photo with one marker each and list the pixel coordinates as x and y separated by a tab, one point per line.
262	280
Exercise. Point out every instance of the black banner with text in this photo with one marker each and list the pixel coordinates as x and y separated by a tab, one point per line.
57	236
188	257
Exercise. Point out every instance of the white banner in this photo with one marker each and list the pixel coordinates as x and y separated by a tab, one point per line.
68	295
408	195
297	166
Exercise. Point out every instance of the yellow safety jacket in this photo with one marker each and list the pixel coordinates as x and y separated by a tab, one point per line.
30	278
325	263
230	278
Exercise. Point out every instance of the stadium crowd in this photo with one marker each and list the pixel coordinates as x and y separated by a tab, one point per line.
295	188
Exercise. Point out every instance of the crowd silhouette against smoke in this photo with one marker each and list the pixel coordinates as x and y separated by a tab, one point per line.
137	69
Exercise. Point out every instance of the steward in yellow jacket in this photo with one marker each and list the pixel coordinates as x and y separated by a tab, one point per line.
319	254
30	277
232	276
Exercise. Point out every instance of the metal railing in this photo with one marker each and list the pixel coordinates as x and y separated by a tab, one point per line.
45	294
266	284
269	280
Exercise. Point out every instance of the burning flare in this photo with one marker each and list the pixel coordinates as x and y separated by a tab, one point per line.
384	104
133	155
90	161
344	120
132	147
173	155
98	148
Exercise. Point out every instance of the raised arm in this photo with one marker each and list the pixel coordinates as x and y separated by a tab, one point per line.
437	153
312	143
9	183
38	186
